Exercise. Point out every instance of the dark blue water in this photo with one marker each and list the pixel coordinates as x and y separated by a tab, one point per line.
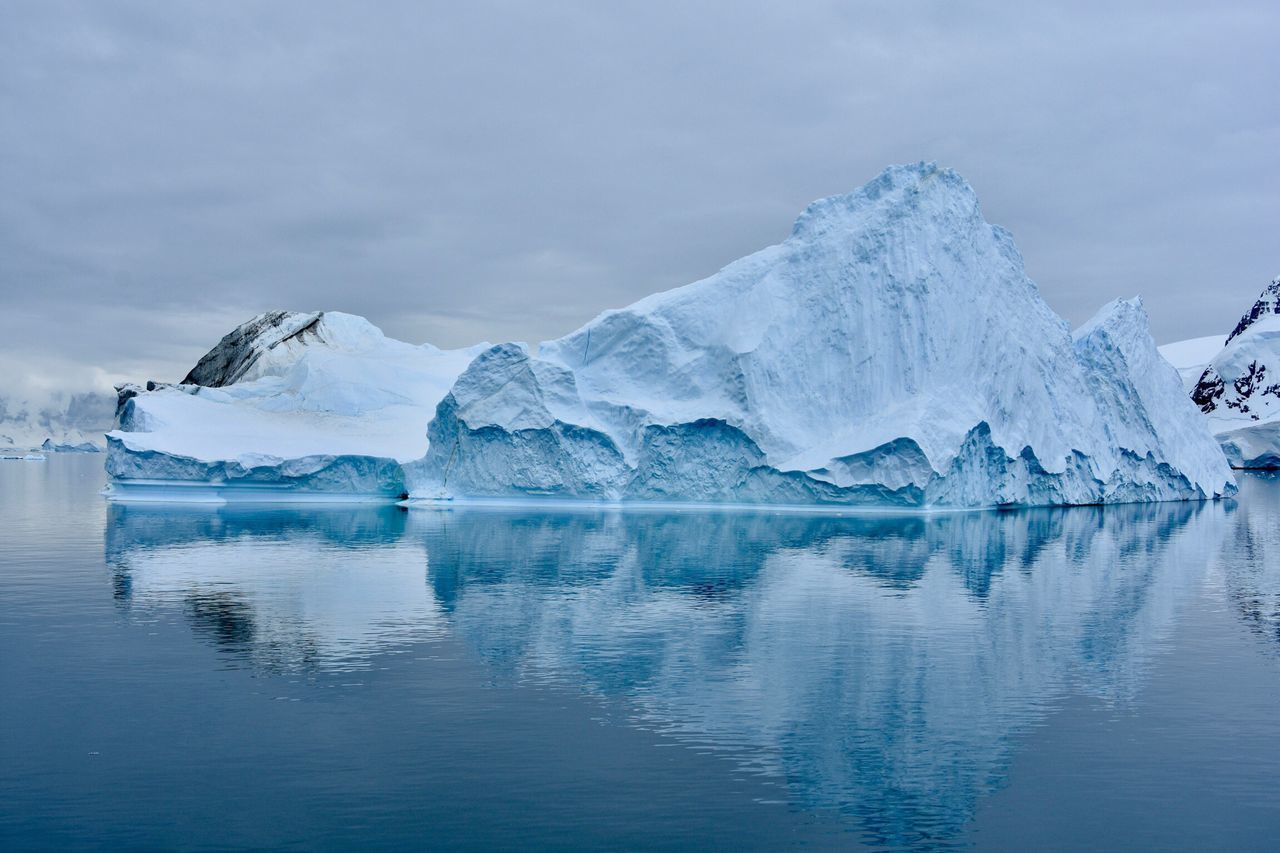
375	678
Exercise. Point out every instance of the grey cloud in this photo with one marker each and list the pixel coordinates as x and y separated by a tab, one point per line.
506	170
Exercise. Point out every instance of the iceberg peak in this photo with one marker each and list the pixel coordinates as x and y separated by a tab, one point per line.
914	189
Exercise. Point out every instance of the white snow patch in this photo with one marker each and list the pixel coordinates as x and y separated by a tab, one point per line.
1192	356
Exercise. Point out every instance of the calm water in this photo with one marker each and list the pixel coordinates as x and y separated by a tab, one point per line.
338	677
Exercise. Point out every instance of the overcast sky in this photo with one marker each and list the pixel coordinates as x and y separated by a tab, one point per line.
505	171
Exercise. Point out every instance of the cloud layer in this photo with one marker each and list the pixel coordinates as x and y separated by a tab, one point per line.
507	170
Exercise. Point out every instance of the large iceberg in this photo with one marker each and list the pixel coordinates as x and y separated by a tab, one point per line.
286	406
1238	386
891	351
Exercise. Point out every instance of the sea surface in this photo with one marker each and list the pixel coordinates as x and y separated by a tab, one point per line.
373	678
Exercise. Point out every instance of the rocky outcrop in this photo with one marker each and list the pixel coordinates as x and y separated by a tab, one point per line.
236	355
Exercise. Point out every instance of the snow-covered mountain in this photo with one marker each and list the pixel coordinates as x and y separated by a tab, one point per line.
320	403
891	351
60	422
1238	384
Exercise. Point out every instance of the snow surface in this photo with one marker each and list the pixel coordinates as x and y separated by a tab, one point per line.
891	351
1191	357
1238	386
335	411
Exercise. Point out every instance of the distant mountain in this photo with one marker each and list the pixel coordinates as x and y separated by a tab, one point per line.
59	423
1239	386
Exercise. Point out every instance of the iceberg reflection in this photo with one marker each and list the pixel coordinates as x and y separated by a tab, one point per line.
1251	574
290	589
879	666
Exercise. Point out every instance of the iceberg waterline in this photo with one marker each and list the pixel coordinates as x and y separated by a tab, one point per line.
890	352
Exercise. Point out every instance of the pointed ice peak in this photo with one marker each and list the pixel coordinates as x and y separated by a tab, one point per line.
1127	314
1122	329
1268	303
921	187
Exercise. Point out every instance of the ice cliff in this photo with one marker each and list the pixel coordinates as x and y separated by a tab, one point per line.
1239	388
287	405
891	351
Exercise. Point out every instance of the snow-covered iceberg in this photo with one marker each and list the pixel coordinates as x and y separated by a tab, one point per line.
891	351
286	406
1237	383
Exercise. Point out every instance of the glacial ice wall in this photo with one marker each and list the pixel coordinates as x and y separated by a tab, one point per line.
891	351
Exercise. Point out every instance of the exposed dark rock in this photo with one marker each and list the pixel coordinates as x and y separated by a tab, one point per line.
240	349
1208	390
1268	303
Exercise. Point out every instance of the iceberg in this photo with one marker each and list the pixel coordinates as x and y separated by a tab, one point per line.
82	447
1237	384
287	406
891	351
